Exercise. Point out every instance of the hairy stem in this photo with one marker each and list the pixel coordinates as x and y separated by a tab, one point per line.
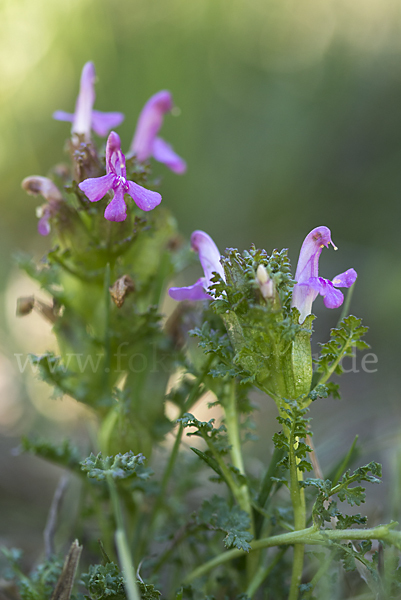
242	491
107	350
310	535
233	432
298	504
123	550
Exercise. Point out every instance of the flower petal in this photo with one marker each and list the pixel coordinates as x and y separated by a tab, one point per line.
97	187
302	298
43	223
345	279
333	298
192	292
145	199
36	184
86	98
307	268
115	159
164	153
149	122
319	284
117	209
311	250
102	122
61	115
209	255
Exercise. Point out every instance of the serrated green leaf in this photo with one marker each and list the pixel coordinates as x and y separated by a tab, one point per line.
232	520
356	495
342	341
210	461
120	466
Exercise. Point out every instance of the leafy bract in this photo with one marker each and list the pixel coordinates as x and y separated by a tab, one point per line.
120	466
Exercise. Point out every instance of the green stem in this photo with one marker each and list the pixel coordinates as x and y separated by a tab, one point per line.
233	432
192	397
334	364
266	487
83	276
321	571
106	338
310	535
242	491
298	504
123	550
174	453
166	477
227	474
263	573
347	304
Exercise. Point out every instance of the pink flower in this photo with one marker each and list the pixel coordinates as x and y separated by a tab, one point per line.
37	185
146	143
209	257
309	284
85	118
115	180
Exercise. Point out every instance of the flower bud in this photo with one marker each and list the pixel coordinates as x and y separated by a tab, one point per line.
44	186
265	283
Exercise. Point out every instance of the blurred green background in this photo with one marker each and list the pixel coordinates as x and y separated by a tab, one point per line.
290	118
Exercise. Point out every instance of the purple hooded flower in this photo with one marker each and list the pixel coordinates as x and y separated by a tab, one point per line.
146	143
85	118
309	284
209	257
37	185
116	180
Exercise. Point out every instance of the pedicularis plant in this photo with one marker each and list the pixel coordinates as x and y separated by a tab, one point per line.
245	325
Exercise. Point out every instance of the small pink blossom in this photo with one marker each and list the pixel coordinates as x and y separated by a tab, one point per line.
209	257
146	142
116	181
85	118
309	284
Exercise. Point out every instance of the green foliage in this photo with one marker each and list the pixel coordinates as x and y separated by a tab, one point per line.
217	437
325	509
41	582
352	552
217	343
295	425
63	454
232	520
356	495
343	341
118	355
121	466
264	336
104	581
53	371
47	276
148	591
107	582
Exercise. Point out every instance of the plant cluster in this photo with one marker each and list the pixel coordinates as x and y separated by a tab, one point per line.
245	325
